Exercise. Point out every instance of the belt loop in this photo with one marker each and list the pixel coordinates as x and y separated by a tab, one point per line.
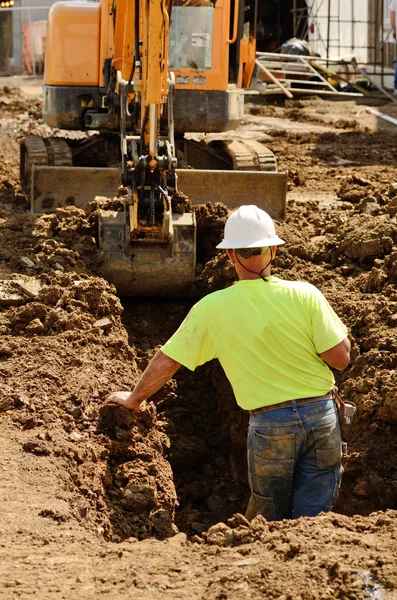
294	406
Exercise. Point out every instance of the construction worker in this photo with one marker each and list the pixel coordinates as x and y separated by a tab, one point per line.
274	340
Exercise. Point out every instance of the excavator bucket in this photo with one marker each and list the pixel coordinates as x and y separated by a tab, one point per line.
54	187
150	268
234	188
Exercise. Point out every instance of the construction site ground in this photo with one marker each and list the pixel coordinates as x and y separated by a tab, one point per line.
98	502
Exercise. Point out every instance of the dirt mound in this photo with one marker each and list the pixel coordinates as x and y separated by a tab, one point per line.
181	461
75	347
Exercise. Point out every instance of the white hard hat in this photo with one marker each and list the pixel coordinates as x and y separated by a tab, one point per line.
250	227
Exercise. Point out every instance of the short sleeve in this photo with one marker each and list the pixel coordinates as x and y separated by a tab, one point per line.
191	345
327	328
392	5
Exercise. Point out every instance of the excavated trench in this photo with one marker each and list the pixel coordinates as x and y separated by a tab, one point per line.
63	349
203	423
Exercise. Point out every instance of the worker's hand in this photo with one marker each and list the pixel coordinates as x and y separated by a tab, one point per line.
394	34
124	399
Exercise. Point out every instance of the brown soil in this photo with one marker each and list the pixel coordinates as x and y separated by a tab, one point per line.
92	497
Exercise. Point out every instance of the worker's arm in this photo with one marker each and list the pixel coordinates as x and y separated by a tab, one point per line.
160	370
338	357
393	22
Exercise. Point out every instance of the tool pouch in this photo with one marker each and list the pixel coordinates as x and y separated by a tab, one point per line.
346	409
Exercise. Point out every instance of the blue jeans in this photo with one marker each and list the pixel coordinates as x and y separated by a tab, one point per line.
294	461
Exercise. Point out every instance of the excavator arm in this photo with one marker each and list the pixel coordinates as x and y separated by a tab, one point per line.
113	74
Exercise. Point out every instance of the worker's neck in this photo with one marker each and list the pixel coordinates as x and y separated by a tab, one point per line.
247	276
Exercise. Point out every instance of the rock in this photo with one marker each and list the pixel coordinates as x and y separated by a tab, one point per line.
220	534
218	528
5	404
59	267
392	207
196	539
393	189
104	324
10	295
140	498
35	326
36	447
237	520
21	401
29	288
26	262
369	206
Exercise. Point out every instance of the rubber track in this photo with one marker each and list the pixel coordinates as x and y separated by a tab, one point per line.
250	155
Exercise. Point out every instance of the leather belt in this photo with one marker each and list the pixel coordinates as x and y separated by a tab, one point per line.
288	404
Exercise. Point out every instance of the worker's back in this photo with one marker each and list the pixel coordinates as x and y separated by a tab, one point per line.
267	336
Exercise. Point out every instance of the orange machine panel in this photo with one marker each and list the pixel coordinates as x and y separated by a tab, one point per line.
73	43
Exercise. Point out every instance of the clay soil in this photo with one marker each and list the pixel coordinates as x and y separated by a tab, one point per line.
101	502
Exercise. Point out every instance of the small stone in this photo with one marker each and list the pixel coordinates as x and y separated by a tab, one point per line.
116	539
26	262
21	401
5	404
36	447
75	436
104	324
237	520
245	563
393	189
220	534
218	528
196	539
59	267
35	326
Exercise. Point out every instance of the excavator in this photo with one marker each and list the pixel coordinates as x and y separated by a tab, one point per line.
136	76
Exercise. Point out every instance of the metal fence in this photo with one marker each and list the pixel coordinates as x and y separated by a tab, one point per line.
355	27
22	38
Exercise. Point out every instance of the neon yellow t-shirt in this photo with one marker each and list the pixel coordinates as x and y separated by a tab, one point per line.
267	337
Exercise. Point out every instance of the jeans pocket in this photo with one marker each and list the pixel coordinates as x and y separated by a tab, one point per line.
273	456
328	445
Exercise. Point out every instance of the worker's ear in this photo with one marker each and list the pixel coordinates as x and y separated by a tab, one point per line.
273	251
232	256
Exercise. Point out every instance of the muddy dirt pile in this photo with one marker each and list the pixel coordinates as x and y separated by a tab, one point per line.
61	352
